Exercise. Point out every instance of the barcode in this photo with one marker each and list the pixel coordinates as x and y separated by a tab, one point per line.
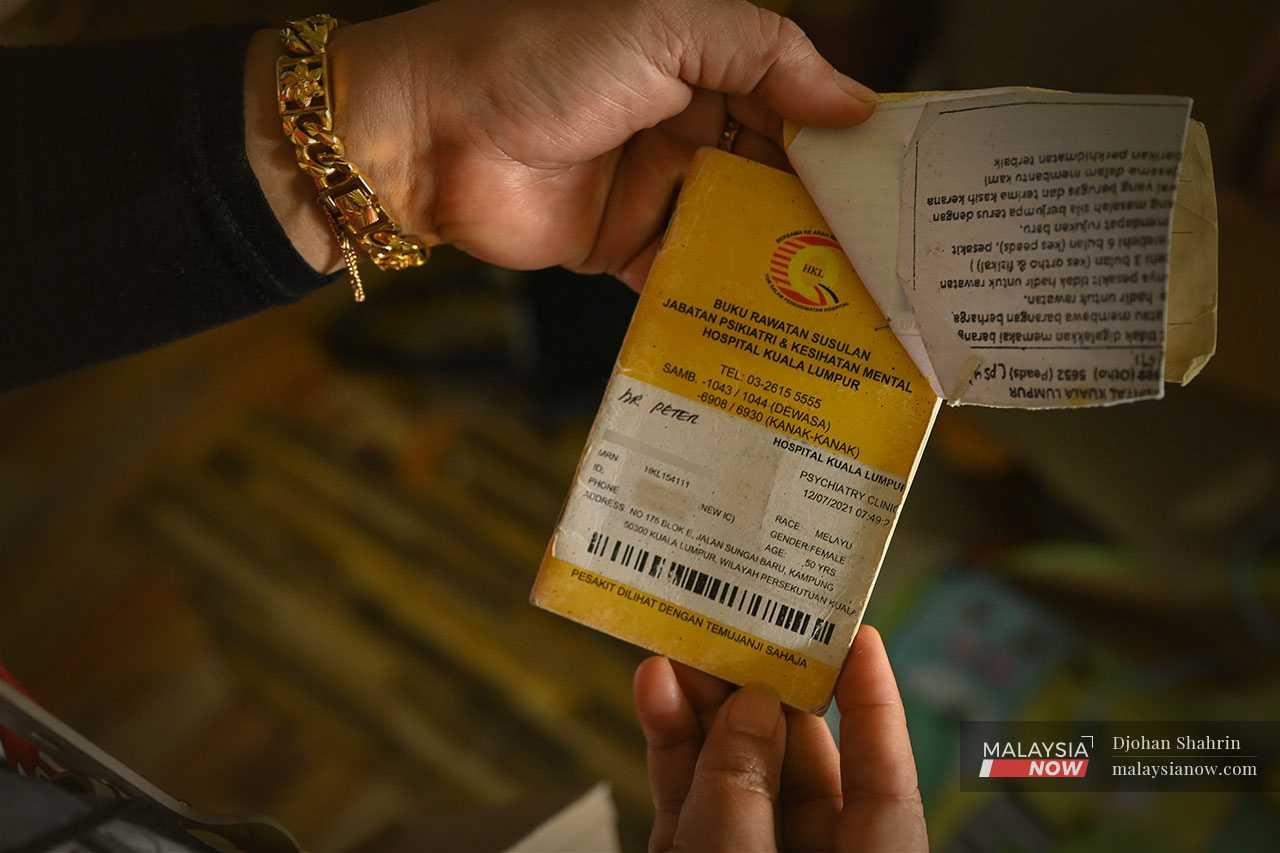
644	561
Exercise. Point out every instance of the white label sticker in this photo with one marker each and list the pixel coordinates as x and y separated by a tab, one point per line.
773	537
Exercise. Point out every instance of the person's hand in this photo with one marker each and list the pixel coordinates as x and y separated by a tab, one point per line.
531	133
730	771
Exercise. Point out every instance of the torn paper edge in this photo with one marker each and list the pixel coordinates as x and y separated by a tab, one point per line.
861	199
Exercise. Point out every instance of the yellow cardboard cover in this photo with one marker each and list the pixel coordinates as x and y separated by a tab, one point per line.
753	448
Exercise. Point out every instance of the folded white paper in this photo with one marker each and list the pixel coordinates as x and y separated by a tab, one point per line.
1018	240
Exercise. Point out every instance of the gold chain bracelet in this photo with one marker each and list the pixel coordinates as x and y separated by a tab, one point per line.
351	206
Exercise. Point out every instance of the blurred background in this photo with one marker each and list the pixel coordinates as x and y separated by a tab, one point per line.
283	567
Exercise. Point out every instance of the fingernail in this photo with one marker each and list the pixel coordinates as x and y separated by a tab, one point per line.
754	711
854	89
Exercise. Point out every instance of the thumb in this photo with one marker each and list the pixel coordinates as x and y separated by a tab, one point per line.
732	801
736	47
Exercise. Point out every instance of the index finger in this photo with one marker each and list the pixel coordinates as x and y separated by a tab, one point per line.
675	705
738	48
705	692
673	737
882	807
733	798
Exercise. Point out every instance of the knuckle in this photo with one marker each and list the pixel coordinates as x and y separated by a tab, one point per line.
909	803
801	793
659	9
790	41
668	25
736	775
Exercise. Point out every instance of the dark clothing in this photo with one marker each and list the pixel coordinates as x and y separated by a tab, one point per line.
130	214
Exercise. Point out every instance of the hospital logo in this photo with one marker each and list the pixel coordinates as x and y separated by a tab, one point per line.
808	270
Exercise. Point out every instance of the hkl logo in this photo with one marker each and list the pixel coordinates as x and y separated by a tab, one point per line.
1057	759
806	269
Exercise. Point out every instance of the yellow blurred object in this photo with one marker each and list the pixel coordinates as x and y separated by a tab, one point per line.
966	445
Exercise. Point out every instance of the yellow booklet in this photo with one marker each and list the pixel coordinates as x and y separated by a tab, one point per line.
753	448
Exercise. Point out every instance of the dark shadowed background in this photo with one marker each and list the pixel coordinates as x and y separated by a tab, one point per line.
282	567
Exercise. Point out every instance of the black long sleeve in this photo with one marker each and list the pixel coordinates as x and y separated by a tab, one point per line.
130	213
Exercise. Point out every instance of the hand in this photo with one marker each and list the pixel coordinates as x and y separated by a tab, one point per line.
531	133
730	771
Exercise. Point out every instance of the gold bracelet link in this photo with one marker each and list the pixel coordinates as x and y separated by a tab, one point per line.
355	213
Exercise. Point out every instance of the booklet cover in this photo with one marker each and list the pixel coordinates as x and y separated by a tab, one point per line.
753	449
